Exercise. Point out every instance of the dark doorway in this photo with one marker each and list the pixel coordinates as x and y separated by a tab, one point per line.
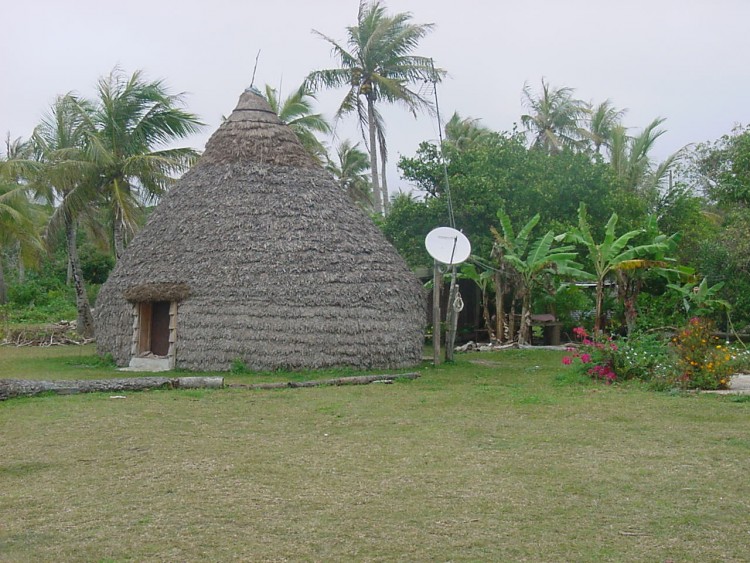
160	328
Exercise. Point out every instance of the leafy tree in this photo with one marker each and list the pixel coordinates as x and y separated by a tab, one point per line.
378	66
297	112
484	280
701	299
554	119
131	119
350	173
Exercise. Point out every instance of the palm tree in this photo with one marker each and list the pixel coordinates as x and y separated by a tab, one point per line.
377	65
554	118
602	121
18	218
67	177
462	132
629	156
350	172
297	112
131	119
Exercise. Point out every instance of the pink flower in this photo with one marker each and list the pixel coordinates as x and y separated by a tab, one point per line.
567	360
585	358
580	331
587	342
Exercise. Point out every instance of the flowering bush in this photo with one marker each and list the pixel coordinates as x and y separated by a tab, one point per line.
640	356
701	359
593	355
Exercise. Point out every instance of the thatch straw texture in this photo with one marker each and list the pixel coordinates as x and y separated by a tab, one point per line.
269	261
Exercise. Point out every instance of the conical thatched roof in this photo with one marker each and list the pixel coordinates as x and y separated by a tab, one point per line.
266	261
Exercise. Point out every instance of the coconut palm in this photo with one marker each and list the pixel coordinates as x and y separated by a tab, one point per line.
377	66
297	112
602	121
630	156
19	218
67	178
462	132
131	119
350	172
554	119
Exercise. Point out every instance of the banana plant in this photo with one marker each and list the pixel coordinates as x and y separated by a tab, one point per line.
534	262
699	298
613	253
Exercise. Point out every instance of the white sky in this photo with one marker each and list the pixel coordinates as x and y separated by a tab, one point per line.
686	60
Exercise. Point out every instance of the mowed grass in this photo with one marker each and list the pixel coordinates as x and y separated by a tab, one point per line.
495	458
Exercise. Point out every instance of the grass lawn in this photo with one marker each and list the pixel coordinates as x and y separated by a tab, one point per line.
495	458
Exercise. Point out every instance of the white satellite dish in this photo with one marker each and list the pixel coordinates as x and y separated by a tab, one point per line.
447	246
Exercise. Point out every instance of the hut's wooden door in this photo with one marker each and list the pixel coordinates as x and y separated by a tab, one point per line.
160	328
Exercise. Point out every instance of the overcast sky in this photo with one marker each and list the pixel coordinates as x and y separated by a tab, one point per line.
685	60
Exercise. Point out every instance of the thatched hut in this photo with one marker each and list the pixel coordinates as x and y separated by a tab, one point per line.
256	255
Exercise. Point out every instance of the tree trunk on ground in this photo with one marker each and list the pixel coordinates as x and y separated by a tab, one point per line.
376	195
354	380
10	388
85	322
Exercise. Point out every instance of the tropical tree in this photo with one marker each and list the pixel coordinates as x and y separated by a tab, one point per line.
602	121
350	172
125	132
377	65
18	220
555	117
68	179
462	132
612	253
535	262
296	110
631	160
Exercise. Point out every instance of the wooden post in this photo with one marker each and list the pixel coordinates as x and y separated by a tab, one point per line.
437	281
451	319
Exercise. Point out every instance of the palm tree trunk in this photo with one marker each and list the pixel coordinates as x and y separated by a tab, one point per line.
85	322
376	195
384	184
118	236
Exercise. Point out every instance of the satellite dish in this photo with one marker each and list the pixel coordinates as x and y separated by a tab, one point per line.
447	246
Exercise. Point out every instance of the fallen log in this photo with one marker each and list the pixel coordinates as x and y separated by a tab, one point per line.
353	380
10	388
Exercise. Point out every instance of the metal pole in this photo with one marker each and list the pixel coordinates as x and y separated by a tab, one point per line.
437	282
